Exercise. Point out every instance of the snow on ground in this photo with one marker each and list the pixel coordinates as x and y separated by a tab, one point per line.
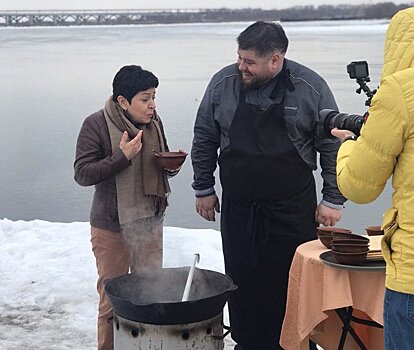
48	298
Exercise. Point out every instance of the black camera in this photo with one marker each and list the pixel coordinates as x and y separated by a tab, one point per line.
330	119
358	70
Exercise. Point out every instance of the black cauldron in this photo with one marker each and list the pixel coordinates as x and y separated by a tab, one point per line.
154	297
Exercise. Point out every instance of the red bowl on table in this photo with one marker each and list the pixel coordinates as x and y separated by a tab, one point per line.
349	248
374	230
325	234
329	230
326	241
350	258
350	241
353	236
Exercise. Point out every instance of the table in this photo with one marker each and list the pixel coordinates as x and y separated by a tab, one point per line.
317	292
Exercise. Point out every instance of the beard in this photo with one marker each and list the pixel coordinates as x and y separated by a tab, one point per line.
253	81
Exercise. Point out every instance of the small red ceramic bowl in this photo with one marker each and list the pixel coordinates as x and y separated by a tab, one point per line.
329	230
350	258
341	235
350	242
171	160
325	234
374	231
349	248
326	241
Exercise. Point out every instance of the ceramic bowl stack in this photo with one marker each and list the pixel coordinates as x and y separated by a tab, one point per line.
349	248
325	234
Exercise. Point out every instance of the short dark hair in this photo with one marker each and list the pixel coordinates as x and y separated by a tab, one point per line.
264	38
130	80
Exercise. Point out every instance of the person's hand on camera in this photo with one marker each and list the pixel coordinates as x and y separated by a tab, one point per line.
131	148
342	134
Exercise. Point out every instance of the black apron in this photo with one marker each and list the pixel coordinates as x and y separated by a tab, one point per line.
268	209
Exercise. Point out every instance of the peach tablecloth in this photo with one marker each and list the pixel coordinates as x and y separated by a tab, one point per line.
316	290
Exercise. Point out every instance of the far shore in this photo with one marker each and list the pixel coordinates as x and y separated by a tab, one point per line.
47	18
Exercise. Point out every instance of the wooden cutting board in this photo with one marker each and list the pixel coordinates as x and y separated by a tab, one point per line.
375	248
375	243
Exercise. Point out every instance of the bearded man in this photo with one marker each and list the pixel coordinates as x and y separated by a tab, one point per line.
261	114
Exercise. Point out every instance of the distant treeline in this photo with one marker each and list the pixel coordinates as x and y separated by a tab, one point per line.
309	13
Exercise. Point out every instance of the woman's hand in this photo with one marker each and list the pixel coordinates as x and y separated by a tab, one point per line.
131	148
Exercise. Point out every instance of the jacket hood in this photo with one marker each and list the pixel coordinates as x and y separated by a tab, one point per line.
399	43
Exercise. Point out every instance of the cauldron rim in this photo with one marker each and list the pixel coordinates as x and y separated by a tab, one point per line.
173	312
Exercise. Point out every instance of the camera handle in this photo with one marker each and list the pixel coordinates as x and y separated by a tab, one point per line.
362	82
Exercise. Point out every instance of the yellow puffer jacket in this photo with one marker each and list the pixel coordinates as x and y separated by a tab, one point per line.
385	148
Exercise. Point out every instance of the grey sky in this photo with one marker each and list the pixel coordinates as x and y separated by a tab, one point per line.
158	4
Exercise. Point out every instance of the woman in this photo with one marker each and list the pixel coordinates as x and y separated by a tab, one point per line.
115	153
384	149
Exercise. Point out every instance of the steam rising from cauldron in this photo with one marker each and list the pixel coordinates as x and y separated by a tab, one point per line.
154	297
144	239
161	287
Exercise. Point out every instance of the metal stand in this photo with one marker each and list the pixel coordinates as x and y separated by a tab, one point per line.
228	331
345	314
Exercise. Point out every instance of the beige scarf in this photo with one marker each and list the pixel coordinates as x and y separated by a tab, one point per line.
142	188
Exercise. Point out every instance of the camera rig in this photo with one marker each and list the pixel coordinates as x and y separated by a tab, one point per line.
330	119
359	70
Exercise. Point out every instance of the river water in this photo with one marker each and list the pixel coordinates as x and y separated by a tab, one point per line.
52	78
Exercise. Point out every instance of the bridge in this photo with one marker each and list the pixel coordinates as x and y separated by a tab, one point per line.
105	17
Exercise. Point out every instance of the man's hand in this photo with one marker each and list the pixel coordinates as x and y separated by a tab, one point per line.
131	148
207	206
327	216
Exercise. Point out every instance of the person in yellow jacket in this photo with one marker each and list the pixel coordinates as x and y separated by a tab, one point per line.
384	149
